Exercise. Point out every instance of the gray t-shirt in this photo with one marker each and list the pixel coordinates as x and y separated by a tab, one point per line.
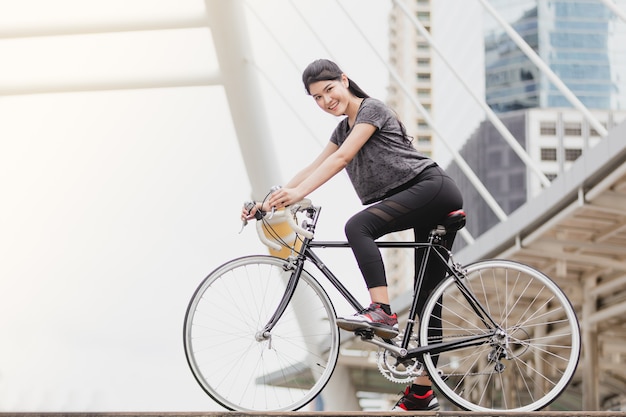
386	161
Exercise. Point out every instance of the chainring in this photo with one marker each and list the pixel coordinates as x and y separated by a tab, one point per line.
395	369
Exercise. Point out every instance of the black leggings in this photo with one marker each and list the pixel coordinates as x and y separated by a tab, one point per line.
432	195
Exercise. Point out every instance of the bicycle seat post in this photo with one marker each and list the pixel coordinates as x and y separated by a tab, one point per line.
453	222
433	238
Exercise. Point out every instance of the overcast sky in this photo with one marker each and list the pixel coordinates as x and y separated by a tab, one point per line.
115	204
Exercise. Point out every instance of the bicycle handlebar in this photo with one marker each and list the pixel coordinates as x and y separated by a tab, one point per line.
270	244
288	214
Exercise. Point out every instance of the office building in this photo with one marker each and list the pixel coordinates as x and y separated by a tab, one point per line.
429	79
581	41
553	137
411	57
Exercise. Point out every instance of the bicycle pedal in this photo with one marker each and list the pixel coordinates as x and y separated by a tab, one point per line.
365	333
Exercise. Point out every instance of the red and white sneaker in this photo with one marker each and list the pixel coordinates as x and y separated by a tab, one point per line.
373	317
413	402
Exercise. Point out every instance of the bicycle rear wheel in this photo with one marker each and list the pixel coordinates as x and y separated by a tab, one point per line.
524	364
228	356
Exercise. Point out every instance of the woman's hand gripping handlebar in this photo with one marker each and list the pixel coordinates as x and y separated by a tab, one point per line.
255	210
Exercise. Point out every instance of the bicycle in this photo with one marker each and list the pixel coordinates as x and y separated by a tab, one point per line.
508	337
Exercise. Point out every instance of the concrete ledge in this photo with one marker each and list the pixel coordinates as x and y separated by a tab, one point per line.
324	413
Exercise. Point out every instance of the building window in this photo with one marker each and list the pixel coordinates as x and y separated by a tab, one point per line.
517	182
548	154
572	154
423	62
494	159
573	129
423	76
493	184
547	128
423	140
423	16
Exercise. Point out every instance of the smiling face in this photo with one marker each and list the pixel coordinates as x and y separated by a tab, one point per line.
332	96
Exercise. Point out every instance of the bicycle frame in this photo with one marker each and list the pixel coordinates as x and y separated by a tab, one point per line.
493	335
307	253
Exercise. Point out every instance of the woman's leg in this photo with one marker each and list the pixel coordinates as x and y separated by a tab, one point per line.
419	207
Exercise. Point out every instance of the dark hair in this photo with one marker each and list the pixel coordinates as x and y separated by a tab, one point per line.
322	70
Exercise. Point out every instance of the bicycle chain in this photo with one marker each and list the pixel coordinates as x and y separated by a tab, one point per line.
390	372
466	374
444	376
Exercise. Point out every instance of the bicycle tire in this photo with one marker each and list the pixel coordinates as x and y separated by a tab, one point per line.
242	372
524	368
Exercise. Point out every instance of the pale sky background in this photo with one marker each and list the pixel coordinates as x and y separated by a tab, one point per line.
116	204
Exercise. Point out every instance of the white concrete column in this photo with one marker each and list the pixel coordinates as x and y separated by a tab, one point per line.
240	81
589	331
340	394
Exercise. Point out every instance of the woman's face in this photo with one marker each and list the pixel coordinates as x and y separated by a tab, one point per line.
332	96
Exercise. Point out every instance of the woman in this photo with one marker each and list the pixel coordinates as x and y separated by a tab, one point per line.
403	188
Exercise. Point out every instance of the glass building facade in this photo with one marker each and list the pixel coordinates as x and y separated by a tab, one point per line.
581	41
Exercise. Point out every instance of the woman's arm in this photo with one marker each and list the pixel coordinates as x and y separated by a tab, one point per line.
328	150
325	166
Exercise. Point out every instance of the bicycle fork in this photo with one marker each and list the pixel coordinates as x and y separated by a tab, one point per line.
266	332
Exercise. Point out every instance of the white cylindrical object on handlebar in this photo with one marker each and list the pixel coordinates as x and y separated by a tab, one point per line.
280	232
298	229
267	242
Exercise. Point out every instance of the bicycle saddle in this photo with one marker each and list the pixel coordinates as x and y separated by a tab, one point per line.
454	221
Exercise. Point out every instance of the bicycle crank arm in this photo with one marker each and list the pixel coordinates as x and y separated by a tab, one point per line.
401	352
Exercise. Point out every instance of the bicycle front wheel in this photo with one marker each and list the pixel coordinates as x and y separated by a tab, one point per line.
531	342
236	364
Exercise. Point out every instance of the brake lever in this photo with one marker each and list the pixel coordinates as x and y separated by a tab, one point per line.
274	188
249	205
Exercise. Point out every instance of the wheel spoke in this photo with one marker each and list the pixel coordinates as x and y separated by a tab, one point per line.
233	363
535	351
